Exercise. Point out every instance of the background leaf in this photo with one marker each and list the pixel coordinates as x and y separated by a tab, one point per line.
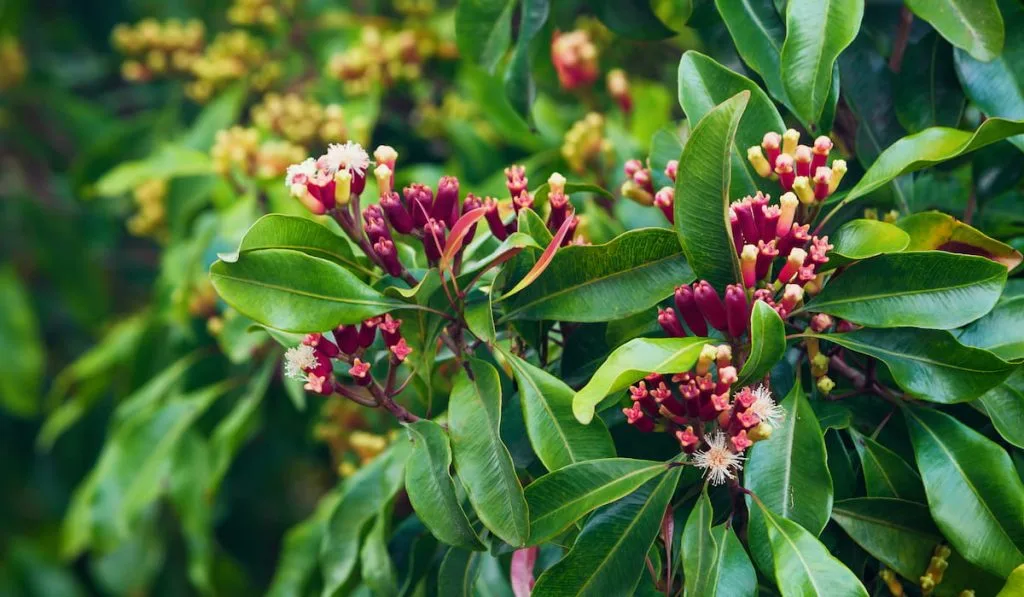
927	92
938	231
483	30
974	25
886	475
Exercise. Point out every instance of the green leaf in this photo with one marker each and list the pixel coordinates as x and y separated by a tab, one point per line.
902	536
789	471
375	564
974	25
929	147
556	436
817	31
886	475
927	92
735	573
926	289
1014	584
767	343
363	493
21	370
938	231
296	292
519	85
297	561
562	497
803	566
431	488
481	459
632	273
489	94
483	30
633	19
704	84
219	114
860	239
996	85
631	362
703	194
1004	404
169	161
1001	331
700	551
974	493
608	556
458	573
928	364
278	231
758	32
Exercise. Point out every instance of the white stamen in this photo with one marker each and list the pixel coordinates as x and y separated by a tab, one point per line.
718	461
300	173
766	408
298	358
350	156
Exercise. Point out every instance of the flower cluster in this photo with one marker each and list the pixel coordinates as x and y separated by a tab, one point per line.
385	58
639	185
259	12
153	48
801	169
698	407
150	219
312	360
239	149
301	120
574	56
232	56
584	144
12	62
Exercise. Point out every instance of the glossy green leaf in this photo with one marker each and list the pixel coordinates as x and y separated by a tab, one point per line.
458	573
296	292
928	364
938	231
1014	584
375	565
1004	404
700	551
562	497
997	85
169	161
632	273
704	84
927	92
298	559
483	30
926	289
974	25
363	493
974	493
1000	331
519	85
21	371
886	475
556	436
482	461
768	343
703	194
929	147
631	362
278	231
860	239
902	535
817	31
634	19
735	574
431	488
608	556
803	566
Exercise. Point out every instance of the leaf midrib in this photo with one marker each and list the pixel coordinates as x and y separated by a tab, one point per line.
880	296
565	505
911	357
547	408
305	293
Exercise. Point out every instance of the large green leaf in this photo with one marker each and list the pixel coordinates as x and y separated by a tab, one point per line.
974	25
562	497
556	436
431	488
632	273
631	362
934	230
278	231
926	289
767	343
703	185
608	556
860	239
296	292
634	19
1004	404
802	565
928	364
458	573
375	564
481	459
997	85
699	549
483	30
902	536
704	84
974	493
519	85
886	475
817	31
360	502
927	92
22	369
734	574
929	147
1000	331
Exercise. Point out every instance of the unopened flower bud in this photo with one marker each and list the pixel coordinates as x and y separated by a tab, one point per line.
772	146
668	322
631	167
761	432
635	192
787	205
636	417
446	204
822	147
710	305
469	204
383	174
385	249
758	161
390	330
727	375
494	219
342	187
822	182
803	190
745	214
821	322
792	295
686	306
838	170
523	201
385	154
347	337
396	214
790	140
793	263
368	332
705	359
825	385
748	265
736	310
819	364
420	199
664	199
433	239
618	88
671	169
802	159
784	168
